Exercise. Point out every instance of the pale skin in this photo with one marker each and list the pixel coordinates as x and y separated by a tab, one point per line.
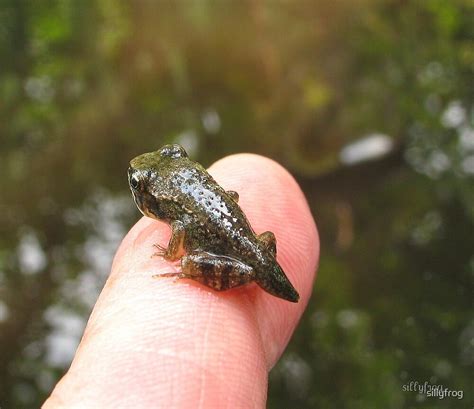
168	342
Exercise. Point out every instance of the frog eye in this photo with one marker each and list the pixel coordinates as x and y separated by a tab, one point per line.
134	181
173	151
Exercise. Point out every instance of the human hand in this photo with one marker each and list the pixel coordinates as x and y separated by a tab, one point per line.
176	344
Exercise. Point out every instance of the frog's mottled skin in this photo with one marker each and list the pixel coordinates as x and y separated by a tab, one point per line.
210	233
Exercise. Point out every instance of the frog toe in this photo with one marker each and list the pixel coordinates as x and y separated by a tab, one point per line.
161	251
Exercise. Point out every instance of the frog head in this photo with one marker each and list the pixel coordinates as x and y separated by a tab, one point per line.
148	175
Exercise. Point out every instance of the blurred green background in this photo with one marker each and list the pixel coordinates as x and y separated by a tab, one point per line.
368	103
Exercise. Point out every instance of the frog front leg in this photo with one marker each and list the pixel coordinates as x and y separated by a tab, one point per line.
214	271
175	248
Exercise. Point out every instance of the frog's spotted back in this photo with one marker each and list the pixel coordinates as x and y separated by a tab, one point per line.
221	249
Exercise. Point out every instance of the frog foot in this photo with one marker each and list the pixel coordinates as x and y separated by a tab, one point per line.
161	251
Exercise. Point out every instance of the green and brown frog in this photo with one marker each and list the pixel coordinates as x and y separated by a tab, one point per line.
209	231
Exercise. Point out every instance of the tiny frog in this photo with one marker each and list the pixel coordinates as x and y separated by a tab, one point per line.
209	231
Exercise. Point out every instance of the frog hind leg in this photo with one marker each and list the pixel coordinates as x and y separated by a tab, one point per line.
268	239
175	248
234	195
217	272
